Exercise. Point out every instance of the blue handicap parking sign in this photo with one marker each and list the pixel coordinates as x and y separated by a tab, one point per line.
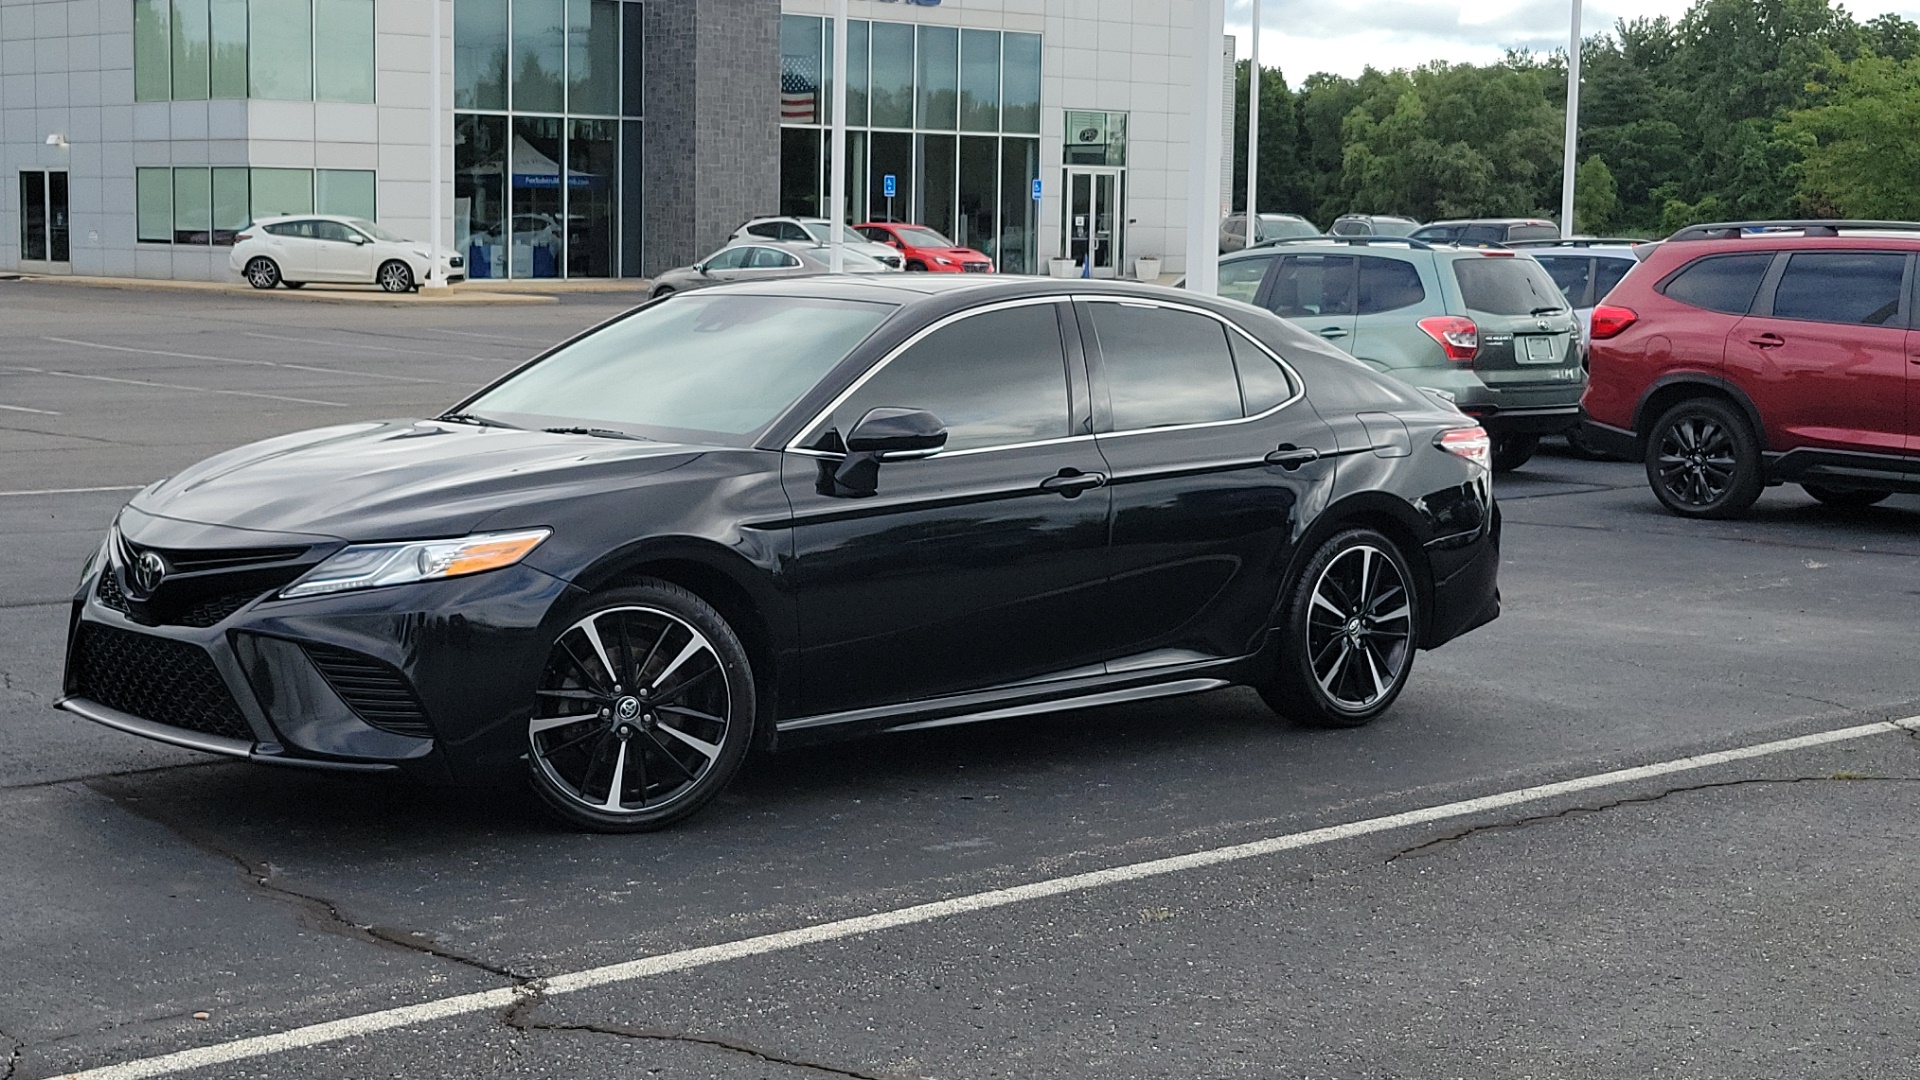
1036	191
887	186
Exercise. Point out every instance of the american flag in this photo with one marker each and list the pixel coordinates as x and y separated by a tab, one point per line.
799	90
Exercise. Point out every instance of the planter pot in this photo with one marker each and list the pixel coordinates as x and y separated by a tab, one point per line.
1146	269
1063	267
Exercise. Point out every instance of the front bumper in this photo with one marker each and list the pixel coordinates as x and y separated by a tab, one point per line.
429	677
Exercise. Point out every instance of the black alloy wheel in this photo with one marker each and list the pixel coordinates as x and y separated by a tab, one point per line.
644	711
1512	451
1347	645
1703	460
395	276
262	272
1845	498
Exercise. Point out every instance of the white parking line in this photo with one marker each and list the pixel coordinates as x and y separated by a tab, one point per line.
236	360
23	408
172	386
645	967
67	491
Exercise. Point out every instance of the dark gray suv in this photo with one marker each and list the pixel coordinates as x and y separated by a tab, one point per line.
1486	328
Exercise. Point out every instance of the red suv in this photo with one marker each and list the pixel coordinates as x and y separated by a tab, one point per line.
925	249
1741	355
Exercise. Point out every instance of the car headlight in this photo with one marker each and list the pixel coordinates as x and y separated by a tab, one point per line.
943	260
369	566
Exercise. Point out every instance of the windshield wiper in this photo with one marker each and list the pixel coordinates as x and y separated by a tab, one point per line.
1546	311
598	433
472	418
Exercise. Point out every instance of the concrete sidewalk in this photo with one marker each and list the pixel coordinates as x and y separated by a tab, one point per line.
466	292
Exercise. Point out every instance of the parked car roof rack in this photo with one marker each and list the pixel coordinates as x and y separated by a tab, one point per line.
1733	230
1417	245
1578	242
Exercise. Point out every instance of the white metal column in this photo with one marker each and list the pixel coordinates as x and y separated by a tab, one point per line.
1253	121
1206	143
837	183
1573	125
435	175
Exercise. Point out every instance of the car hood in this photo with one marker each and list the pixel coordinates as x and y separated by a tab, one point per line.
399	479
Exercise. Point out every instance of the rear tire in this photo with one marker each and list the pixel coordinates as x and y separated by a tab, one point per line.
1347	643
262	272
1845	498
1703	460
1512	451
395	276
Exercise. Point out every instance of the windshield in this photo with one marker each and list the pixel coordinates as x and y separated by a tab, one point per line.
1388	226
690	369
925	238
1273	227
818	230
1507	286
375	231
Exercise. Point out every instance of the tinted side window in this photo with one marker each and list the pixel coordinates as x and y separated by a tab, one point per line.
1263	382
1860	288
1240	278
768	229
1571	273
790	231
1165	366
1533	232
1483	234
1725	283
1309	285
994	379
333	230
1607	273
1388	285
1506	286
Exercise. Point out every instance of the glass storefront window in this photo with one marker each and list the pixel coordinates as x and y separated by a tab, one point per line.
152	52
480	193
936	182
800	171
193	206
1019	168
227	26
1020	96
858	33
345	191
939	77
229	204
538	228
801	71
632	188
891	95
279	192
593	164
633	66
343	50
280	49
190	56
153	192
480	54
892	156
979	80
593	56
539	52
979	207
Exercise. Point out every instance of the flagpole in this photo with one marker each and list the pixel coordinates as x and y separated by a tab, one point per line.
837	182
434	280
1253	125
1573	126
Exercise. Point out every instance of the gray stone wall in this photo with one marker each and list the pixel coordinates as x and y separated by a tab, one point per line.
712	156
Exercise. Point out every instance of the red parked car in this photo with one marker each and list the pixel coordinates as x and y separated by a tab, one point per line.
925	249
1746	354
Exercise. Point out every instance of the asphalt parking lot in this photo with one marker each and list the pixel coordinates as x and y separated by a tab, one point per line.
1650	822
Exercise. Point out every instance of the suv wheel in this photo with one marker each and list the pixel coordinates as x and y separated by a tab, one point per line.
1512	451
1845	498
1703	460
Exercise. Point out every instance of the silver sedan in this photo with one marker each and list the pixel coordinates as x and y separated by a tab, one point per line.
760	262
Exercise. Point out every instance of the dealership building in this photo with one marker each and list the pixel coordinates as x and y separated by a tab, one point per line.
588	138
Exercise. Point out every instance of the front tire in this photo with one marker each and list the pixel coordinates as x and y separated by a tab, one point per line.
1703	460
262	272
1512	451
1845	498
644	711
1346	647
916	268
395	276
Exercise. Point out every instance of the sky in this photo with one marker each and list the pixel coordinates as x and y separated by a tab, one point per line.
1346	36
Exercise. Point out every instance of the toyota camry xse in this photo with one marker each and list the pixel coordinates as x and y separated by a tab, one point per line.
762	515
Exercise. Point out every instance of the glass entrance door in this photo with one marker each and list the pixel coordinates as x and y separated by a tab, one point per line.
43	219
1094	222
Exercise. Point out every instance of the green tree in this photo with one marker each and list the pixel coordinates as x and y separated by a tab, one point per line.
1860	149
1282	186
1595	196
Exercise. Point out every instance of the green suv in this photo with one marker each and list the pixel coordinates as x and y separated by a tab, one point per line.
1486	328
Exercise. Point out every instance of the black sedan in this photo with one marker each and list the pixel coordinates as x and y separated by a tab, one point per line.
762	515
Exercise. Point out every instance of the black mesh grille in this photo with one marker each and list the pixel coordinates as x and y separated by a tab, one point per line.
167	682
110	594
372	688
209	611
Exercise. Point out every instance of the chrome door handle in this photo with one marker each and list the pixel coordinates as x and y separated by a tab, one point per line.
1072	484
1333	332
1292	457
1767	341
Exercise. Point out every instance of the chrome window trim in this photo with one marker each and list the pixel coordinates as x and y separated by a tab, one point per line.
812	428
1299	385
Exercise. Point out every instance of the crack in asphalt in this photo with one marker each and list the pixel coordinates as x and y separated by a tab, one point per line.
1582	811
321	913
518	1017
14	1049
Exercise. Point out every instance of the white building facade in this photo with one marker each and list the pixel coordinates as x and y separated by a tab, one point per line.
587	138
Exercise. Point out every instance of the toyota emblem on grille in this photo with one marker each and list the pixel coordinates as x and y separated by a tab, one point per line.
149	570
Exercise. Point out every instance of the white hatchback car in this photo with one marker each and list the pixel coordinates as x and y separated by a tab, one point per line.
811	230
294	250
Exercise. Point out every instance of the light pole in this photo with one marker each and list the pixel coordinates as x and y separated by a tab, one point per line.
434	278
1205	142
837	183
1253	122
1573	125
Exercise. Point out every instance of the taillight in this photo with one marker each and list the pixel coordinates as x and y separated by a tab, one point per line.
1471	443
1456	334
237	237
1609	321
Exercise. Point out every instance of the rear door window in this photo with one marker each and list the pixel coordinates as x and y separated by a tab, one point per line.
1313	285
1506	286
772	259
1572	273
1856	288
1724	283
1165	366
1240	278
1388	285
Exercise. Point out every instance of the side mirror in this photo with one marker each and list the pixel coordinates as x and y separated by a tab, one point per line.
358	240
881	435
701	268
